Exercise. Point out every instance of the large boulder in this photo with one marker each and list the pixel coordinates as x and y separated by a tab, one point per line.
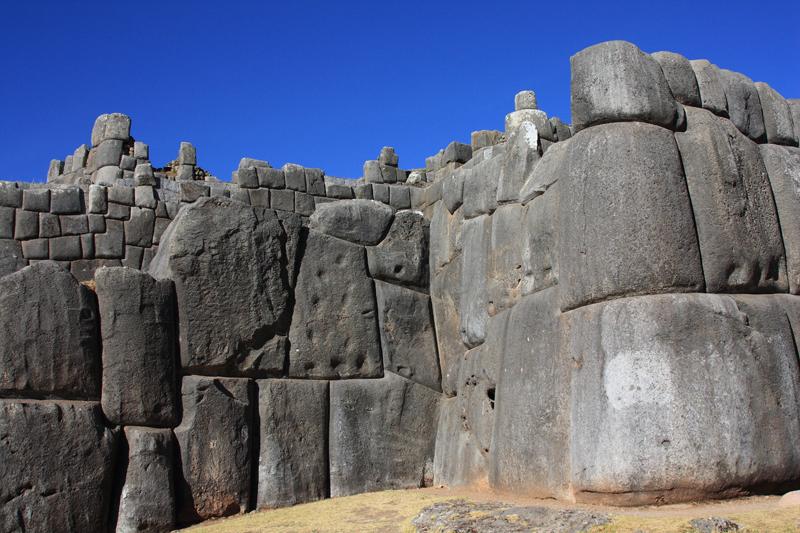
446	304
712	94
473	297
56	463
382	434
783	168
214	446
402	256
531	433
147	501
615	81
778	122
51	339
228	265
680	77
744	104
700	391
358	221
293	460
138	328
334	331
540	241
504	270
408	338
738	231
625	220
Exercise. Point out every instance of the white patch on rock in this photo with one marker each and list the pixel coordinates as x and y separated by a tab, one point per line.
633	378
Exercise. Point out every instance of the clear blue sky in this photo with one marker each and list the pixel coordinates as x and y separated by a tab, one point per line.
328	83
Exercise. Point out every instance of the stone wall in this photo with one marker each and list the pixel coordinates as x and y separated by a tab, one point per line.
598	312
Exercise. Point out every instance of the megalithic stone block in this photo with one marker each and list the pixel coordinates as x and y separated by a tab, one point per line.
147	501
402	255
138	327
334	329
214	446
709	80
57	466
293	460
680	77
615	82
381	435
778	122
357	221
625	219
111	126
50	334
744	105
652	374
474	304
737	227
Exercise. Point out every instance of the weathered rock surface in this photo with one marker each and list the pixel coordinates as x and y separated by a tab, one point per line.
334	331
358	221
680	77
625	220
147	501
56	463
712	94
138	329
446	304
293	460
473	304
547	172
382	434
228	265
615	81
740	240
48	323
458	460
652	374
214	445
540	241
778	123
402	255
744	105
408	340
521	157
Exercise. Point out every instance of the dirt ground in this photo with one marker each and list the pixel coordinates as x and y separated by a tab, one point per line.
471	511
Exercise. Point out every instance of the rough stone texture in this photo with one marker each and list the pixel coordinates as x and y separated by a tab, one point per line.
402	255
66	201
147	500
625	220
740	240
778	123
408	340
504	271
228	266
458	460
382	434
744	106
358	221
214	446
680	77
540	244
334	330
783	169
615	81
111	126
473	305
293	460
56	463
521	157
712	93
11	257
138	328
446	304
531	433
652	374
62	357
794	108
546	172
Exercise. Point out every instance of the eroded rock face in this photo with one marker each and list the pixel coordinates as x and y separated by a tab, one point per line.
402	256
358	221
214	445
446	304
56	463
138	329
382	434
48	323
228	265
334	331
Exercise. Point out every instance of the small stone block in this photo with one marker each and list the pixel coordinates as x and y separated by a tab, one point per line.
66	201
66	248
282	199
259	197
36	200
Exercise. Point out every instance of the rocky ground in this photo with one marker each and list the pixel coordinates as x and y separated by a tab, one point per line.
478	511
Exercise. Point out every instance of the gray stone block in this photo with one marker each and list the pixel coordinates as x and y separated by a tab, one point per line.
107	153
96	223
483	138
111	126
334	293
293	459
57	466
143	174
111	244
118	212
226	261
141	151
382	434
457	152
127	162
145	197
303	204
504	271
399	197
521	157
480	187
259	197
458	460
87	246
12	258
10	196
453	191
625	218
388	157
108	176
83	269
408	340
615	81
402	255
358	221
778	123
36	200
562	130
192	190
79	157
473	308
525	100
533	116
339	188
122	195
794	108
388	174
36	249
133	257
147	501
744	106
187	154
62	357
740	239
98	199
295	177
248	178
446	303
66	248
216	429
73	224
55	169
271	178
680	77
139	229
547	171
66	201
380	193
159	228
7	222
372	172
363	191
282	199
138	330
540	244
247	162
315	181
184	173
49	225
